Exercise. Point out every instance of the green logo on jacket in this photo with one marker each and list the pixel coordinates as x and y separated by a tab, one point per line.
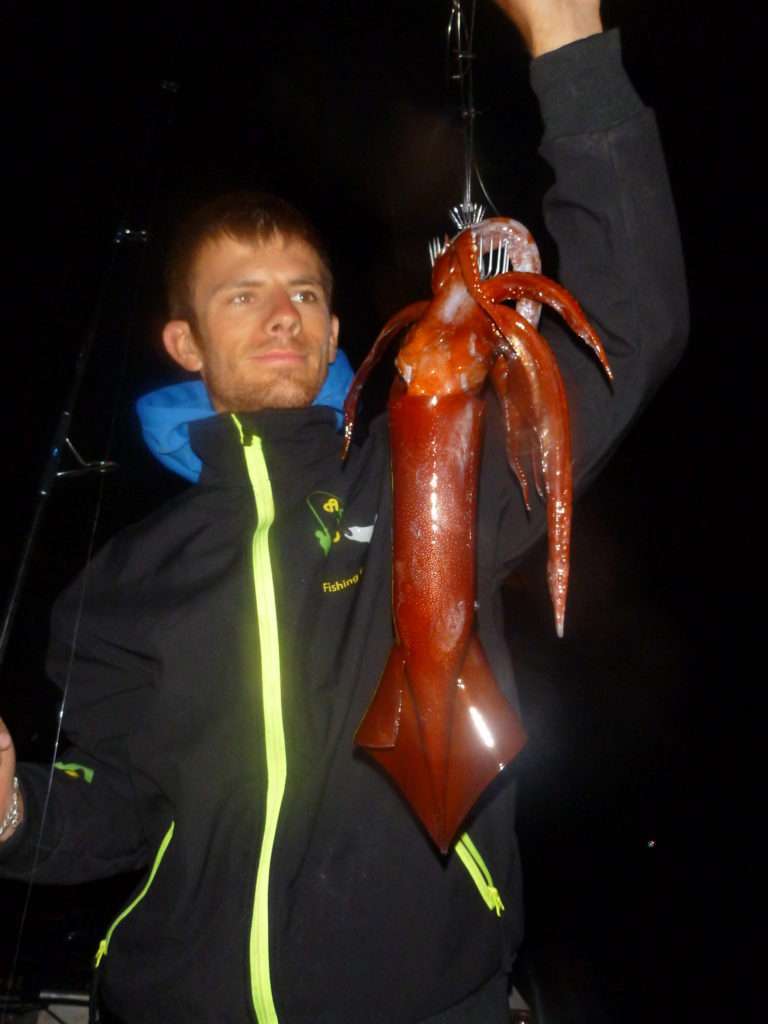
327	512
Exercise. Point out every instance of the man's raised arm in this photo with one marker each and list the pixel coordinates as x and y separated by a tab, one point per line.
611	215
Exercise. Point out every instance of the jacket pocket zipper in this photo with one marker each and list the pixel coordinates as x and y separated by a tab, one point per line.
470	857
103	949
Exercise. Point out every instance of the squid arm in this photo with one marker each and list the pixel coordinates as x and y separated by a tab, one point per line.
553	459
389	331
519	285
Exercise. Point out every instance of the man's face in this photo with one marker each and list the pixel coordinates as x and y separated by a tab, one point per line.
265	332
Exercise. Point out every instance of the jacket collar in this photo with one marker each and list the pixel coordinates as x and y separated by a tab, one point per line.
167	414
298	438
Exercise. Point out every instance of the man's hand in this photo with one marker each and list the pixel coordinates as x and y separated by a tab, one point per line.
547	24
7	772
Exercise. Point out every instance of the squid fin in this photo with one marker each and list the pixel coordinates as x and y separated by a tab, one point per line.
486	734
381	722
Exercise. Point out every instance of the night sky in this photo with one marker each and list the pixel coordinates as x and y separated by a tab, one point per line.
124	118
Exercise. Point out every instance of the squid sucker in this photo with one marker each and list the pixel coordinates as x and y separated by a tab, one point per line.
438	723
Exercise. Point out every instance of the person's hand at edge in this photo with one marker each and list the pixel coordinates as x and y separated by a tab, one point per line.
7	773
549	24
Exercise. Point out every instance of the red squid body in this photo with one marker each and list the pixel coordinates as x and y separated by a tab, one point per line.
438	723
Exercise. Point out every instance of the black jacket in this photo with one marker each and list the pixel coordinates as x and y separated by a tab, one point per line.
317	896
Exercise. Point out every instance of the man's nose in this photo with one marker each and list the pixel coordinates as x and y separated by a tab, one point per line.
283	317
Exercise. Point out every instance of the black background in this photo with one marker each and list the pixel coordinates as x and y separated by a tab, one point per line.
639	720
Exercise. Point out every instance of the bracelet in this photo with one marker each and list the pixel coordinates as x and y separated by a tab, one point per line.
13	816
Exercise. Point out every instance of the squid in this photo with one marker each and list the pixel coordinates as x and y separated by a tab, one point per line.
438	723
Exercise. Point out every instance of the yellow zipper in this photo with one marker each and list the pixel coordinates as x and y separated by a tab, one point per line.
103	949
479	873
274	737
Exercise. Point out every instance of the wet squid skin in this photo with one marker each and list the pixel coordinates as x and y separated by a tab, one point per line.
438	723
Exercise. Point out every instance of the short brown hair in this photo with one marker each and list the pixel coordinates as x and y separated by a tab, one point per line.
246	217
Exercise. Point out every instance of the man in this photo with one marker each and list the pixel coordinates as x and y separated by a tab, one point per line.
230	644
253	313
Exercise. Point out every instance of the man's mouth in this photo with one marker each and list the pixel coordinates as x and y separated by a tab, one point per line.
278	355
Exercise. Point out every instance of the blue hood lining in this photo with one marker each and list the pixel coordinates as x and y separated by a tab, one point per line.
165	415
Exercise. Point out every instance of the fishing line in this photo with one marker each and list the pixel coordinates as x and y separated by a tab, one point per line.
460	57
461	31
484	190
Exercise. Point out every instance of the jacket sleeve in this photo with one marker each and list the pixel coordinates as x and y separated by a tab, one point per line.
611	215
92	825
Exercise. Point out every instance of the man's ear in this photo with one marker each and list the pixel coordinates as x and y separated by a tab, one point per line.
181	346
334	339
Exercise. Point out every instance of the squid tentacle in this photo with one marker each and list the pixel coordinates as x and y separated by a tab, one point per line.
524	348
511	387
521	248
521	252
519	285
408	315
514	426
554	456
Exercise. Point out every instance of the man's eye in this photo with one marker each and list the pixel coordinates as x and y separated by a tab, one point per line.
306	296
241	299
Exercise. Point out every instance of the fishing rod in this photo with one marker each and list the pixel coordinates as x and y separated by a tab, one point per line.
60	444
126	236
128	244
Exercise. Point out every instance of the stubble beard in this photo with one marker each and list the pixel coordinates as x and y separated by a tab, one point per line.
282	391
